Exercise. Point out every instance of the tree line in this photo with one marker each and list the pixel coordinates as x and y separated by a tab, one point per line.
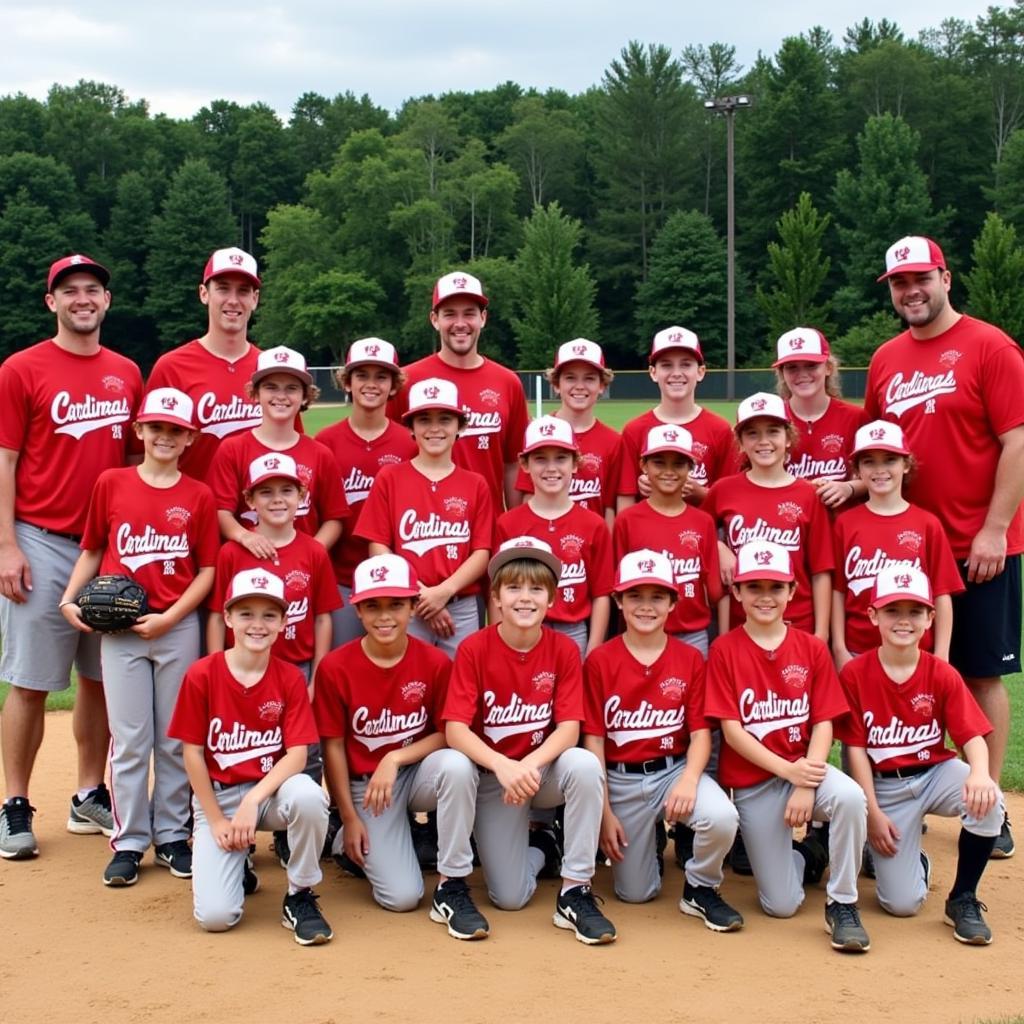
599	214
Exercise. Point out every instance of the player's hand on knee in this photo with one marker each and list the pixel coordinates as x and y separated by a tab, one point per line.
806	773
799	807
613	841
243	825
356	840
15	574
73	614
681	800
883	835
221	832
519	781
979	794
377	798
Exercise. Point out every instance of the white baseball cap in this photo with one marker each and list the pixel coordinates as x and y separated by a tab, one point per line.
371	352
801	345
281	360
167	405
516	548
879	436
433	393
383	576
645	567
548	432
668	437
763	560
675	337
579	350
458	283
231	261
901	583
913	254
272	466
255	583
761	403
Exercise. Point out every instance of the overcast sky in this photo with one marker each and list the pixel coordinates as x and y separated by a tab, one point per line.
182	54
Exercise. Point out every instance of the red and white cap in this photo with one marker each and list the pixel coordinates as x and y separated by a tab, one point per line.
675	337
255	583
458	283
167	405
516	548
801	345
761	403
643	567
913	254
231	261
879	436
579	350
548	432
763	560
901	583
433	393
272	466
76	264
383	576
281	360
668	438
371	352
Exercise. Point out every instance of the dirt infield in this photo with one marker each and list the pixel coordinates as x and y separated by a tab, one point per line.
73	950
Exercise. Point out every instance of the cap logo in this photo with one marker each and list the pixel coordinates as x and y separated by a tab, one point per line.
169	402
675	336
281	357
758	404
235	258
432	392
903	580
579	350
763	557
379	573
796	343
645	565
260	582
547	429
272	463
373	350
671	435
877	434
524	543
459	282
75	260
901	254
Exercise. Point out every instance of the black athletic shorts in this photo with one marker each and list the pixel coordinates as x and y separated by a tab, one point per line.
987	625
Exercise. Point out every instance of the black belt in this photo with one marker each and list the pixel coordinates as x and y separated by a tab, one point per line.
76	537
651	767
904	773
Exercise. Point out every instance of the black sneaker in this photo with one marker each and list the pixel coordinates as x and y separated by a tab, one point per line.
738	859
815	855
424	841
1004	848
544	839
842	922
333	828
660	844
577	911
177	856
348	865
250	880
17	840
964	914
282	851
682	837
704	902
453	905
301	913
867	863
123	869
927	865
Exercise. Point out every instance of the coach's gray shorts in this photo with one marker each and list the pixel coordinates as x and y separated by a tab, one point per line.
40	645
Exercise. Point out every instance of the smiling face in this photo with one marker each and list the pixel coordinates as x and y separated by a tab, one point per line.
458	322
256	622
804	379
385	619
370	386
579	385
645	608
902	624
882	472
667	472
763	601
230	300
435	431
80	302
551	469
280	396
163	442
275	501
921	299
677	373
764	441
524	592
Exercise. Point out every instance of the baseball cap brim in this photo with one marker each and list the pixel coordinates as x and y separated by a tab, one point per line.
275	474
549	442
696	353
302	375
549	559
385	363
644	581
389	591
94	269
879	447
252	592
443	406
801	357
881	602
910	268
237	271
659	448
775	575
163	417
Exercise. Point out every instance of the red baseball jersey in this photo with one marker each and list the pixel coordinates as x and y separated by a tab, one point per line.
825	445
69	417
791	516
953	396
309	589
434	525
777	696
690	540
903	725
495	406
643	711
244	730
714	448
360	462
866	543
597	474
582	541
317	467
377	710
217	387
160	536
513	700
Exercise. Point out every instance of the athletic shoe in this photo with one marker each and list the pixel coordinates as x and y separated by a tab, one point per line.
123	869
576	910
842	921
704	902
660	842
964	914
177	856
545	840
682	837
301	913
815	855
1004	848
250	880
424	841
333	828
867	863
282	851
738	859
92	815
348	865
453	905
17	841
927	865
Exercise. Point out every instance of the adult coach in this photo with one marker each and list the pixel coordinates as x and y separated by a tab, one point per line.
491	394
66	408
213	370
954	384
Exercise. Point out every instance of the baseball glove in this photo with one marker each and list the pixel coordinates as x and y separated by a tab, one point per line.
112	604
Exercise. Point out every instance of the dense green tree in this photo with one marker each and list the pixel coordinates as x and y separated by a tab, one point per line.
263	172
330	311
995	284
22	124
318	126
1008	194
858	344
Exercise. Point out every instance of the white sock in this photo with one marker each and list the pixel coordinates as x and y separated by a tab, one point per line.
83	793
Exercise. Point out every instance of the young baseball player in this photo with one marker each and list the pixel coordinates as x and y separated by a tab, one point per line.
903	702
645	722
154	524
807	376
886	530
579	537
766	502
435	514
244	719
666	522
363	443
514	707
677	367
579	378
774	690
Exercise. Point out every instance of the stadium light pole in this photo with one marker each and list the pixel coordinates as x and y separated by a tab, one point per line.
726	106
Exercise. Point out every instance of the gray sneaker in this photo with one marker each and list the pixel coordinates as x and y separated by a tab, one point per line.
964	914
842	922
92	815
16	839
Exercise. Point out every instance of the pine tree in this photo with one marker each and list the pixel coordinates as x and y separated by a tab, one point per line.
995	285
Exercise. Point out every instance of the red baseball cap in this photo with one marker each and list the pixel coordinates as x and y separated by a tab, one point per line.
76	264
801	345
763	560
913	254
645	568
675	337
255	583
167	405
231	261
548	432
458	283
580	350
901	583
383	576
